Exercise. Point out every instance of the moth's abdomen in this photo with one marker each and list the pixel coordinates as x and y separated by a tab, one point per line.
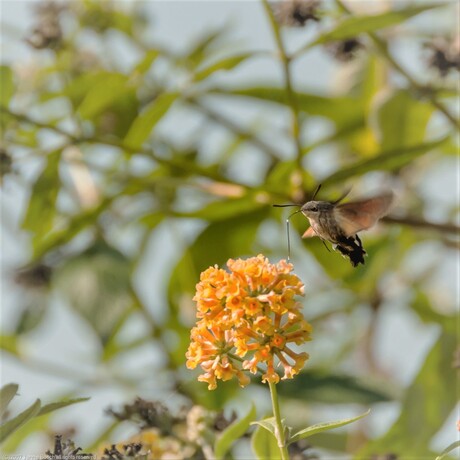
352	248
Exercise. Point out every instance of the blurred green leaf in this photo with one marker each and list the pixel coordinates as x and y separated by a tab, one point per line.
79	87
7	85
42	204
336	266
323	387
385	161
146	62
202	48
232	433
225	209
143	125
227	63
331	441
59	405
9	427
104	91
343	110
74	226
422	306
355	25
9	343
36	425
401	121
320	427
264	445
283	178
97	285
428	402
7	393
449	449
33	314
227	238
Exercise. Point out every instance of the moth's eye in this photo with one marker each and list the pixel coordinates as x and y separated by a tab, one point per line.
314	209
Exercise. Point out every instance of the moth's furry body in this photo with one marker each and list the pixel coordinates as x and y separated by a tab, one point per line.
340	223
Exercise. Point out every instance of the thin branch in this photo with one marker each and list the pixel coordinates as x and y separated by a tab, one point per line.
235	129
291	98
420	223
383	49
39	124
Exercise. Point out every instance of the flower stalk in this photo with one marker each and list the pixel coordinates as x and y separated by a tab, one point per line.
280	432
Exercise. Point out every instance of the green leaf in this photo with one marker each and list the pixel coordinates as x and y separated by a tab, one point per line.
7	393
35	425
337	268
202	47
428	402
227	63
448	449
146	62
232	433
344	110
422	306
58	405
143	125
264	445
322	387
7	85
385	161
318	428
225	209
355	25
221	240
401	121
15	423
107	89
338	442
97	285
74	226
9	343
42	204
268	424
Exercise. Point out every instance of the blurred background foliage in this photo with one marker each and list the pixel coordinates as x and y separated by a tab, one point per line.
130	164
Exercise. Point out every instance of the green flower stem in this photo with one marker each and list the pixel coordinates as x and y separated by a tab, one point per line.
291	97
280	435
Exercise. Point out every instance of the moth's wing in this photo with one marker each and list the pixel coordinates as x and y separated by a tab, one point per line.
309	233
361	215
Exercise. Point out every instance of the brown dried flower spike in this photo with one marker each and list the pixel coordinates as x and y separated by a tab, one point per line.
296	13
345	50
444	55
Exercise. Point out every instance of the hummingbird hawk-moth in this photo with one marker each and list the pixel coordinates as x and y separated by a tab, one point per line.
339	223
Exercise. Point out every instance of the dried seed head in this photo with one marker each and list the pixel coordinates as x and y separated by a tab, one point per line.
36	276
6	164
48	32
444	55
345	50
149	414
296	13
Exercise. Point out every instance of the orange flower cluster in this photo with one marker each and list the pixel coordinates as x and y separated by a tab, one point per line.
248	316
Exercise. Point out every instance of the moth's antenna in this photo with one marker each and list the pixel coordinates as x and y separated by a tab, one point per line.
316	191
342	197
289	233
